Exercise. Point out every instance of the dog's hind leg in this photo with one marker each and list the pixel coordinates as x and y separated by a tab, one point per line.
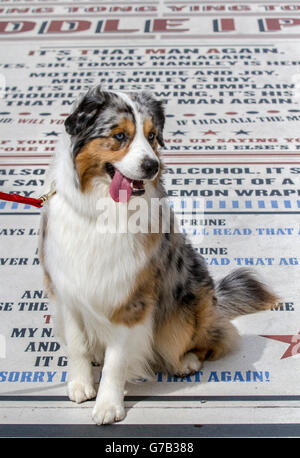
211	340
240	292
215	341
174	341
197	331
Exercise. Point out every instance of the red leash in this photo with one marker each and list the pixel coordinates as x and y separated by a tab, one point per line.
21	199
26	200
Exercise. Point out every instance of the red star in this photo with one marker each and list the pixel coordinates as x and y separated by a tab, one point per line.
210	132
293	340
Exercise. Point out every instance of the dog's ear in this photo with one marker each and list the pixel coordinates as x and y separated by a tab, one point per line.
156	108
160	120
86	112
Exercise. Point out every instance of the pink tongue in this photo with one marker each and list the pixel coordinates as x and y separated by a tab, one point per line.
120	189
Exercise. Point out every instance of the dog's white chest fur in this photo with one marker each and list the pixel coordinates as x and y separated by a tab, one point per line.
98	270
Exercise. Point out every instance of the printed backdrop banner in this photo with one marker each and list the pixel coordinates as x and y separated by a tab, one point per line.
229	75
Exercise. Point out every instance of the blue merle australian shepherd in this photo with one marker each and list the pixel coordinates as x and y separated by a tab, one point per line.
137	301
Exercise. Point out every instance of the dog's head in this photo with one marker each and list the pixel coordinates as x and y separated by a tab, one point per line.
116	135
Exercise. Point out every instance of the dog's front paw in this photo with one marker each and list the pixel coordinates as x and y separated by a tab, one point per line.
79	391
106	412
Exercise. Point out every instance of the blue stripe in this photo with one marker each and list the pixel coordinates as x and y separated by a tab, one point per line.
197	204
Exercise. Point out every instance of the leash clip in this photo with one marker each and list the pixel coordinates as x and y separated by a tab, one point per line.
45	197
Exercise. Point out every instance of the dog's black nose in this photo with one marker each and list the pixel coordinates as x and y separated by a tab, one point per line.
150	167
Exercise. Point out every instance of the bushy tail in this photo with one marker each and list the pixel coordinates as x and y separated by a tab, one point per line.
241	292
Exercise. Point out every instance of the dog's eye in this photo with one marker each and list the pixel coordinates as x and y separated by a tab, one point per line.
120	136
151	136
